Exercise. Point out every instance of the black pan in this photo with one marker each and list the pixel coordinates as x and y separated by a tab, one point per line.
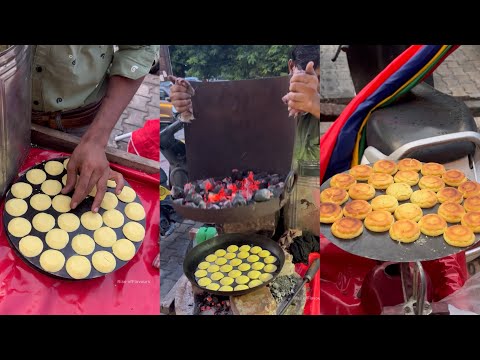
199	252
379	246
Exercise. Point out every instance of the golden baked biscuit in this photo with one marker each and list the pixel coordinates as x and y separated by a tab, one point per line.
385	167
400	191
424	198
357	209
449	194
432	225
452	212
408	177
432	168
472	203
361	191
430	182
408	164
334	195
405	231
472	220
342	181
408	211
379	221
459	236
347	228
454	177
385	202
469	188
330	212
361	172
380	181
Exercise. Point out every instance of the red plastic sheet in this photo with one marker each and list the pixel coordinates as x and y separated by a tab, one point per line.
133	289
312	305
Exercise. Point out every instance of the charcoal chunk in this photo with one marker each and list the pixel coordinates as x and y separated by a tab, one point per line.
177	192
202	205
191	204
263	195
178	201
238	200
216	189
196	199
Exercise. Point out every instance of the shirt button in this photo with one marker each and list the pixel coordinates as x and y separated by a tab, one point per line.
35	102
39	69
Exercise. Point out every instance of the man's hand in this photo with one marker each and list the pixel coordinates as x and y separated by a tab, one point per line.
89	161
304	93
180	94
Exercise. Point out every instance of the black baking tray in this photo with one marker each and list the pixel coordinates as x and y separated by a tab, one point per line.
81	208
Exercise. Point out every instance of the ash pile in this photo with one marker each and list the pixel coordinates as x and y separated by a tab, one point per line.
240	189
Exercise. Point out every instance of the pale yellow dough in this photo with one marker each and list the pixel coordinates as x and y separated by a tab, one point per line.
203	265
235	262
30	246
240	287
244	267
16	207
254	283
61	203
211	258
111	183
19	227
270	260
226	288
51	187
54	168
21	190
245	248
213	286
40	202
232	248
230	256
204	281
255	250
104	261
226	268
254	274
91	221
43	222
78	267
83	244
68	222
127	195
105	236
109	201
65	178
265	277
243	254
123	249
242	280
258	266
36	176
134	231
57	239
220	252
264	253
52	260
135	211
65	163
113	218
270	268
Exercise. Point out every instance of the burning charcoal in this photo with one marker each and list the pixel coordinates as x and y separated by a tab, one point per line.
276	190
202	205
216	189
191	204
213	206
196	198
177	192
178	201
228	192
187	187
238	200
189	196
227	204
198	188
263	195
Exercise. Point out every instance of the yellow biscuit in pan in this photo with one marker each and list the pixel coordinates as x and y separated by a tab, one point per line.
347	228
459	236
405	231
454	177
330	212
380	181
357	209
385	202
469	188
361	191
472	220
400	191
408	164
342	181
424	198
472	203
430	182
379	221
433	168
408	177
451	211
408	211
432	225
334	195
361	172
385	167
449	194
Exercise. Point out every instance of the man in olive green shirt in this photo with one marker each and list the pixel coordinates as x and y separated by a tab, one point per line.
94	78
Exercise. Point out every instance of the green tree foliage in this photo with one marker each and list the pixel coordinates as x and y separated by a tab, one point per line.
230	62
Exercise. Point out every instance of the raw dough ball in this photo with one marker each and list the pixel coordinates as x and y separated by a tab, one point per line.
105	236
245	248
217	276
255	250
54	168
30	246
254	283
52	260
229	256
204	281
253	258
109	201
68	222
232	248
270	260
221	261
78	267
135	211
36	176
226	288
19	227
220	252
127	195
226	268
242	280
40	202
226	281
211	258
254	274
91	221
134	231
243	255
258	266
21	190
43	222
270	268
113	218
16	207
83	244
111	183
123	249
244	267
264	253
51	187
213	268
200	273
57	239
65	163
61	203
213	286
203	265
241	287
103	261
235	262
234	274
265	277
